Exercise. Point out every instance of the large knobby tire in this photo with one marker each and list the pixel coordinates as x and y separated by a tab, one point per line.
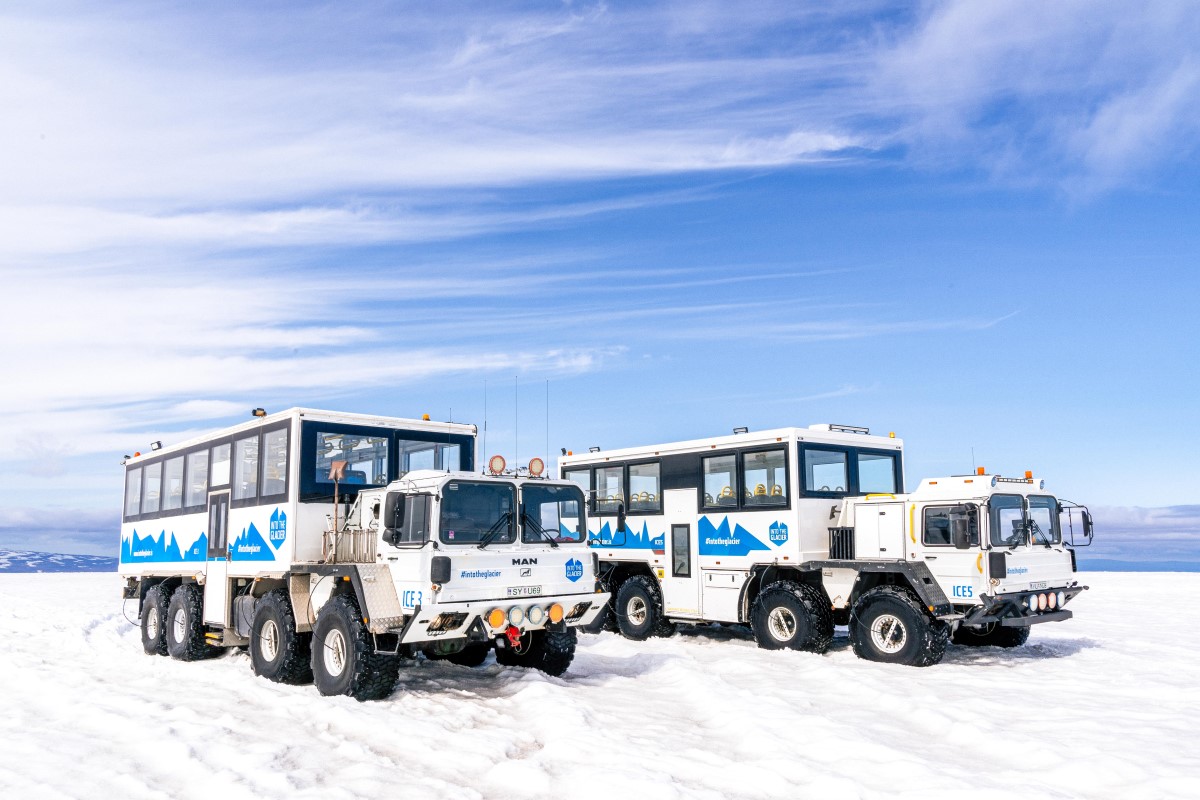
794	616
344	660
994	635
890	625
154	620
639	610
185	624
549	651
277	651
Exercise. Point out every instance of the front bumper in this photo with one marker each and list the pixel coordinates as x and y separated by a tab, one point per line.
441	621
1012	610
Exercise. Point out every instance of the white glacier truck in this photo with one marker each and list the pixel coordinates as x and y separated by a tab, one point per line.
796	530
331	545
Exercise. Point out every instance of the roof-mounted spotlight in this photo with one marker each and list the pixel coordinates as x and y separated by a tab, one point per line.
741	430
156	445
258	412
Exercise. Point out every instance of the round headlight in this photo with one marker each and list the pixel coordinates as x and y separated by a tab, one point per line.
1041	603
516	616
1062	599
535	615
1032	602
1051	600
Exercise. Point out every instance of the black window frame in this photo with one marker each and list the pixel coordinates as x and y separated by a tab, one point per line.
687	550
925	526
157	512
851	454
593	499
312	490
787	478
629	510
736	487
514	524
187	474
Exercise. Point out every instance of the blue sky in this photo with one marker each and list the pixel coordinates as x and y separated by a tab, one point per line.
971	224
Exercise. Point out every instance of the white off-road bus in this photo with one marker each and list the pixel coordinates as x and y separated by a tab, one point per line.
333	544
796	530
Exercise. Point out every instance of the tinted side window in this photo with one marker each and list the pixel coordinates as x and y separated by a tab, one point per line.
937	526
720	481
245	468
173	484
876	473
152	489
825	471
645	488
609	489
220	465
766	478
133	492
274	474
197	479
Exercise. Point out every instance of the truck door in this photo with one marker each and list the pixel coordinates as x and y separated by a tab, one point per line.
879	530
216	581
958	572
680	577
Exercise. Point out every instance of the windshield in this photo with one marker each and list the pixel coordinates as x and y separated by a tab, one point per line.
1043	516
1008	520
472	512
556	510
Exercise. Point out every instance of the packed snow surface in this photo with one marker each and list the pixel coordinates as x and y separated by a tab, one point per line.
1104	705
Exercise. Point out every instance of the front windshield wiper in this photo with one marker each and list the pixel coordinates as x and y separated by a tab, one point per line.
495	530
537	528
1037	535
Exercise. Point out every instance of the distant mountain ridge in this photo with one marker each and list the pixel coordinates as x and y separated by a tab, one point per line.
31	561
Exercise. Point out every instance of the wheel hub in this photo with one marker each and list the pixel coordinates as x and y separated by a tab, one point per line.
334	654
635	610
268	640
781	622
180	625
152	623
888	633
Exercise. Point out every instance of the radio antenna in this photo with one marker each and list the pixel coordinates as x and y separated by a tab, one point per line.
485	450
449	430
547	451
516	425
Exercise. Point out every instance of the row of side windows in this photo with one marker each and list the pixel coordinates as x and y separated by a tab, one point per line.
739	481
254	466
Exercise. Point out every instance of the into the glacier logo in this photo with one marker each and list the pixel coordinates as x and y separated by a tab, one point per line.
277	531
574	569
778	533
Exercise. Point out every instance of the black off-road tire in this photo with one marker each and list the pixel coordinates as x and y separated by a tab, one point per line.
906	633
549	651
277	651
994	635
639	610
154	620
344	660
185	624
793	616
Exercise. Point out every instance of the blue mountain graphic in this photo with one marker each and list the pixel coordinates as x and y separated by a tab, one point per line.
631	538
719	541
250	546
144	549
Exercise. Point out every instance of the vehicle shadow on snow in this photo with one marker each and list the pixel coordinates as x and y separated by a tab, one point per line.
1037	650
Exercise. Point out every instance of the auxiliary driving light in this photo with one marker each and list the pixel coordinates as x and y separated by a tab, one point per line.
1051	600
556	613
1041	602
1032	601
1062	599
535	615
516	615
496	618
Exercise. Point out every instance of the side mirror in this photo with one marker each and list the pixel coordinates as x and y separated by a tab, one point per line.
393	516
621	517
964	528
1087	524
962	540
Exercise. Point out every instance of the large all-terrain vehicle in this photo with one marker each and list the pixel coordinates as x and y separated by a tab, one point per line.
332	545
796	530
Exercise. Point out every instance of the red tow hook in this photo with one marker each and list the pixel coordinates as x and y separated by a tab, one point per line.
514	636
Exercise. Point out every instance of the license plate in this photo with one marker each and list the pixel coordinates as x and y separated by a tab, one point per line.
1038	585
524	591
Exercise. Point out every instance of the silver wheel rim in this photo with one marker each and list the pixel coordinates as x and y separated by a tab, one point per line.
635	610
781	622
268	640
888	633
334	653
180	623
152	623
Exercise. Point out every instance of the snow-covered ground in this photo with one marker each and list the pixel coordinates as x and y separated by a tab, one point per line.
1104	705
